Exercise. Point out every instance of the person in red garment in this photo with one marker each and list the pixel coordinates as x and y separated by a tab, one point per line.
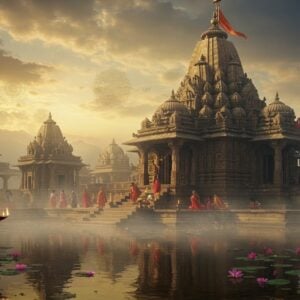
85	199
101	198
62	199
134	192
156	187
195	202
53	199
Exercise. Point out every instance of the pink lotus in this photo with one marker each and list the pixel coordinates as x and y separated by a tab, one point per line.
15	254
21	267
262	281
268	251
298	251
90	273
235	273
252	255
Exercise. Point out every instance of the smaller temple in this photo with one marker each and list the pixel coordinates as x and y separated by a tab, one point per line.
113	165
5	174
49	164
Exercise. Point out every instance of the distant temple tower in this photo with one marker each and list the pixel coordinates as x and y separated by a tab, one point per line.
113	165
216	135
49	164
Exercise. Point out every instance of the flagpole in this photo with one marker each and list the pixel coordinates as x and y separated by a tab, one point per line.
217	8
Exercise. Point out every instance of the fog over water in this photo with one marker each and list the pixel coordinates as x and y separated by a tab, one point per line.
144	262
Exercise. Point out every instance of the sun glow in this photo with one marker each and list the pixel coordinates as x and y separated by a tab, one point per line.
5	212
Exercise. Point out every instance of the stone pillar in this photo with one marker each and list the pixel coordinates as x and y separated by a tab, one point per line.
144	176
194	165
278	160
5	183
175	164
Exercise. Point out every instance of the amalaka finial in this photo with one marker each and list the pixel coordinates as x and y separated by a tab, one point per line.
50	116
277	97
173	97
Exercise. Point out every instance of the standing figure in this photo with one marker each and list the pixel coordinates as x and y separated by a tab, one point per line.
218	203
73	200
85	199
156	187
62	200
52	199
134	192
195	202
101	198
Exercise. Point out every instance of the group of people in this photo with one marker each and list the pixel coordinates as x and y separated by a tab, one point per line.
62	201
212	202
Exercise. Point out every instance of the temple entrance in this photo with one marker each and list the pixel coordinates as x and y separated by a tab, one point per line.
160	164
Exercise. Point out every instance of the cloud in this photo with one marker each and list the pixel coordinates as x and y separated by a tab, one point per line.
15	71
114	96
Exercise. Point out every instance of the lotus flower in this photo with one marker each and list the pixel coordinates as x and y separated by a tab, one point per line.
235	273
298	251
252	255
21	267
268	251
90	273
15	255
262	281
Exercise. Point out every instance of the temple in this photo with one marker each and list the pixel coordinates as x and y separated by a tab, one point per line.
49	164
215	134
113	165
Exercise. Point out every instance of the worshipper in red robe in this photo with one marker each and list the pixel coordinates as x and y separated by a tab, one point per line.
134	192
101	198
156	187
62	200
53	199
195	202
85	199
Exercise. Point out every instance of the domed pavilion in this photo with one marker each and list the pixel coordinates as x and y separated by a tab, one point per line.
49	164
113	165
217	136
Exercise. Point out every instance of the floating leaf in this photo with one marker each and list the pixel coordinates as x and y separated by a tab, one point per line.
278	282
242	258
84	274
249	277
293	272
282	266
251	269
9	272
280	256
295	259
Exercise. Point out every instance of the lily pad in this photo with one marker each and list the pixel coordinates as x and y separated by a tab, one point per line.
293	272
250	269
282	266
249	277
280	256
9	272
82	274
295	259
242	258
278	282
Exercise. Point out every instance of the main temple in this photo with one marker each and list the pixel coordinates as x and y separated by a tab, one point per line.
216	136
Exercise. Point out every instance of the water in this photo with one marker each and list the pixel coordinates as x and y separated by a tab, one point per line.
144	264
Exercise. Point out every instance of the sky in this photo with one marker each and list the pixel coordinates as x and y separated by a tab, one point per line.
101	66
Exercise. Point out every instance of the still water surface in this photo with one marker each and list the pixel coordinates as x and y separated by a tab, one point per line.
145	264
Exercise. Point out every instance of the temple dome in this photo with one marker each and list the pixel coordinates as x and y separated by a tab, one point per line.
205	112
278	107
50	133
238	113
172	105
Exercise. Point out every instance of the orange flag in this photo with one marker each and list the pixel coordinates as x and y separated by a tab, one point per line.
227	26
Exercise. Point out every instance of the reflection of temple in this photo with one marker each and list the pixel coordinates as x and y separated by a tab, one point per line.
49	163
113	165
216	135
